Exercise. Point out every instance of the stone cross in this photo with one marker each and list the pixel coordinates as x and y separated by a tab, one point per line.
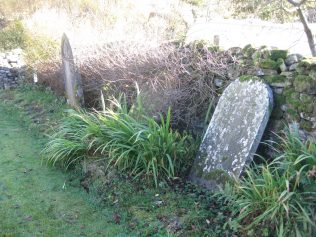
72	78
233	134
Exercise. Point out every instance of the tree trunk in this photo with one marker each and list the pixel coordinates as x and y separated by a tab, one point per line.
308	32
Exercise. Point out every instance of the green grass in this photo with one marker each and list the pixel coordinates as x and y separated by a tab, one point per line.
278	199
36	200
134	144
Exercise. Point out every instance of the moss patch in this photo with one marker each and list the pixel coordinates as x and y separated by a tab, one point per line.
291	93
249	78
275	54
277	113
274	78
306	108
218	175
293	115
269	64
306	125
248	50
307	99
304	83
279	100
306	65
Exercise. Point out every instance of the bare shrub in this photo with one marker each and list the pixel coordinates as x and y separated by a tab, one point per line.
169	75
50	74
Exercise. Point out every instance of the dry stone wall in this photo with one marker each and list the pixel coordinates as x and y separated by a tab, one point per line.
292	79
11	68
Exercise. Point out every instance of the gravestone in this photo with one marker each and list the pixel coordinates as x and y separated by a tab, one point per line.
233	134
72	79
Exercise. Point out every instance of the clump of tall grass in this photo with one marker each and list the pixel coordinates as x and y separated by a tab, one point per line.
278	199
126	139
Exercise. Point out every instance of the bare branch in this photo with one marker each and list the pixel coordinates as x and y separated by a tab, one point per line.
297	3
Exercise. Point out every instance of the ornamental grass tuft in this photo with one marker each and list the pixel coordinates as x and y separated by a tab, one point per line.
126	139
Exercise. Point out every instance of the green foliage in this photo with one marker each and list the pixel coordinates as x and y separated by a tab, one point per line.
13	36
280	195
128	140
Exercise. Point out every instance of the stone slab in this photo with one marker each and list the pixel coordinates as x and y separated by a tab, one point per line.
233	134
72	79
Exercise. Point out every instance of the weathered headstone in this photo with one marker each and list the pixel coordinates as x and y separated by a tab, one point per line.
233	134
72	79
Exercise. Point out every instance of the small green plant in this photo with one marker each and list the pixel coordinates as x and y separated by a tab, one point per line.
67	145
128	140
280	195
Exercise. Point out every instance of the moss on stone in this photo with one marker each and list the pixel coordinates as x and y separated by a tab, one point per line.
218	175
307	99
306	65
274	78
277	113
303	83
306	125
269	64
293	114
306	108
275	54
248	50
279	99
291	93
293	103
292	98
214	48
249	78
312	74
198	170
279	125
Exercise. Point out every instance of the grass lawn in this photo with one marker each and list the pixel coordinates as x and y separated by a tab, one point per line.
38	200
35	200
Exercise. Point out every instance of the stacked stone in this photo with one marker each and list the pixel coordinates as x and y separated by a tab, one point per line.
11	68
293	81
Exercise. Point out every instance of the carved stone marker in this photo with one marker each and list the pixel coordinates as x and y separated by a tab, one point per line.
233	134
72	78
